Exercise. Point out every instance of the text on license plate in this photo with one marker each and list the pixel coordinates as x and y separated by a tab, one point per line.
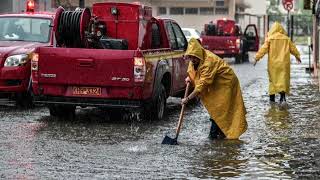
86	91
218	52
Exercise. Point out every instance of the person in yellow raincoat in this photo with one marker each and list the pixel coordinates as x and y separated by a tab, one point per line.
279	47
219	90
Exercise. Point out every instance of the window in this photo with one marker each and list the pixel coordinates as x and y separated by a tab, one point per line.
25	29
222	11
156	39
220	3
176	11
181	41
240	9
162	10
198	33
238	30
206	11
186	33
250	32
191	10
173	43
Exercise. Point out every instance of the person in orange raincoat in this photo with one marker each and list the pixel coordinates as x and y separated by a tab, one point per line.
219	90
279	47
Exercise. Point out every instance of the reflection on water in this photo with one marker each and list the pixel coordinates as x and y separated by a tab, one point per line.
220	158
278	117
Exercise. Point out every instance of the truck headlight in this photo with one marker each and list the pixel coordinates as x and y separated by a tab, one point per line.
16	60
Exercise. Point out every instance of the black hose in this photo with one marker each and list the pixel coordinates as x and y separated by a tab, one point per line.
69	29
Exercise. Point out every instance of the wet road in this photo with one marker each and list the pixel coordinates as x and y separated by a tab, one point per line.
281	142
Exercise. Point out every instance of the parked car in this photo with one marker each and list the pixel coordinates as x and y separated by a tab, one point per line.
127	60
20	35
191	33
225	39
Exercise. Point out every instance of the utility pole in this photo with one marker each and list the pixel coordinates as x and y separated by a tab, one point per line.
315	39
288	5
288	25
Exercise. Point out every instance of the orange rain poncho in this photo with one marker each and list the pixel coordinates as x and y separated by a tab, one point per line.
278	46
219	90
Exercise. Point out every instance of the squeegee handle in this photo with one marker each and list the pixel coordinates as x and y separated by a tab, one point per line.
182	111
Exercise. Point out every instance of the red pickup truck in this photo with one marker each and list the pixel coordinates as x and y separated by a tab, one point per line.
225	39
20	34
118	57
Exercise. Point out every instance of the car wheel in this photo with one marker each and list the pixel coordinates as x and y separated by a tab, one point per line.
24	100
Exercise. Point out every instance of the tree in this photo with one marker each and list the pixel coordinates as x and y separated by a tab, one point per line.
273	7
274	12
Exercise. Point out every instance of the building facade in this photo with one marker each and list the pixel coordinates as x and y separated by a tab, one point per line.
188	13
16	6
191	13
6	6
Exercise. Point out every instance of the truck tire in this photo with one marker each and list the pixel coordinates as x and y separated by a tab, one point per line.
62	111
238	59
241	58
24	100
157	109
245	57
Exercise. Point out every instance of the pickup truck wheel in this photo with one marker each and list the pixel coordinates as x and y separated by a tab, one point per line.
62	111
24	100
245	57
238	59
161	103
157	109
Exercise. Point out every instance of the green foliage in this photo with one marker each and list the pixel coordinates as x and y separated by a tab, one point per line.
273	7
307	4
302	19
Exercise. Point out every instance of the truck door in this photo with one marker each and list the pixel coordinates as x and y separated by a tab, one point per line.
178	43
252	38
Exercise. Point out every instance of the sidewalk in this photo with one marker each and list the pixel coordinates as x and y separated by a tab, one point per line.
283	140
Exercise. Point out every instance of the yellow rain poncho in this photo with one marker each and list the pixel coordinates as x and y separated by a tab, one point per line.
278	46
219	90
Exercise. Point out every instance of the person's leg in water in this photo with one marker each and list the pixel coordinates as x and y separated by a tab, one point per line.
272	98
215	131
282	97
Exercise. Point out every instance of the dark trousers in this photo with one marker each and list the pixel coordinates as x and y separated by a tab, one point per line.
215	131
282	97
273	98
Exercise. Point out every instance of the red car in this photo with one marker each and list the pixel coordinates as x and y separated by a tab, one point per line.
20	35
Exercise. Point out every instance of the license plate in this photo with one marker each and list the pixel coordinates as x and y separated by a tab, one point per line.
218	52
96	91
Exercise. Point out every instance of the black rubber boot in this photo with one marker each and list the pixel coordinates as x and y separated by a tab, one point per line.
213	130
282	97
272	98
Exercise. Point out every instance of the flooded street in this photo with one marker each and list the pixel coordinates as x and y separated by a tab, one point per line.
282	142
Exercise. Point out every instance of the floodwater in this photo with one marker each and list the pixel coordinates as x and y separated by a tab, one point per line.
282	142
